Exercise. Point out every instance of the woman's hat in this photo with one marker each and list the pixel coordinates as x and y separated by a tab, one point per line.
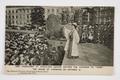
75	24
68	26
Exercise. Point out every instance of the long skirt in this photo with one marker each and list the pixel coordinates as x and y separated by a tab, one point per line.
70	48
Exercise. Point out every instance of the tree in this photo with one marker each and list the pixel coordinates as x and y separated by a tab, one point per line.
52	22
65	17
37	16
53	25
76	16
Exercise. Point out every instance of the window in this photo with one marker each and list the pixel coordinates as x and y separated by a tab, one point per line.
12	11
9	11
13	17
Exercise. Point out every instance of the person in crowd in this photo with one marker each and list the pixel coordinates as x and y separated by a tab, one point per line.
90	35
84	34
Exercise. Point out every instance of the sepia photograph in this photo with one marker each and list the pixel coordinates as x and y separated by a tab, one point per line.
59	35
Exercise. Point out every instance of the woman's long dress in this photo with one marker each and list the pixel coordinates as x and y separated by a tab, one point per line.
66	34
72	37
75	41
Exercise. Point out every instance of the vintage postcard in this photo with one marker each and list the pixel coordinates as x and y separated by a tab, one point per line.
59	40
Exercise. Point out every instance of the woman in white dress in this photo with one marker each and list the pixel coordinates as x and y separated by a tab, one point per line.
75	42
67	30
72	36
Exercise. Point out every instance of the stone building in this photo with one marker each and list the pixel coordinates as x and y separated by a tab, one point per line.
104	15
18	16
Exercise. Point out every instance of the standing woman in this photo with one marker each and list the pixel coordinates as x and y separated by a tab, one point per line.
75	42
67	33
72	36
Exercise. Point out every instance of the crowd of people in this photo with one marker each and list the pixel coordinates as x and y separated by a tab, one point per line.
31	49
102	34
27	27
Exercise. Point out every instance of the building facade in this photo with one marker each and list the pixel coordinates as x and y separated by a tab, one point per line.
103	15
21	15
18	16
52	10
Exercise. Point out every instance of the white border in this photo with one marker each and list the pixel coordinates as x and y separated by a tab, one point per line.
115	76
